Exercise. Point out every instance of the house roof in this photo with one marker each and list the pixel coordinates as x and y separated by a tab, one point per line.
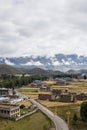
7	106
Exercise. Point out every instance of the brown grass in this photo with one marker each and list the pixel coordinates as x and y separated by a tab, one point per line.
53	104
50	82
26	103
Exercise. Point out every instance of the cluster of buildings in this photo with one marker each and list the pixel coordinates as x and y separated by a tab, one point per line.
47	93
62	95
36	83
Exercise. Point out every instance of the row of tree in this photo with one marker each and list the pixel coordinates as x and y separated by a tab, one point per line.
17	81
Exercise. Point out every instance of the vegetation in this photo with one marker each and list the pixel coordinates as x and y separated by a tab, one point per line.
12	81
75	122
37	121
29	90
83	111
75	118
64	75
22	106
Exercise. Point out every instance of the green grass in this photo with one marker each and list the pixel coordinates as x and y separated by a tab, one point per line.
28	90
61	111
37	121
22	111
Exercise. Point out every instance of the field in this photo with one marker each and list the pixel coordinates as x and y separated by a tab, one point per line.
37	121
28	89
59	104
31	92
62	112
50	82
25	103
78	86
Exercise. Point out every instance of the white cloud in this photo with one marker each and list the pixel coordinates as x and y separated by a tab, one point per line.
38	63
55	63
43	27
8	62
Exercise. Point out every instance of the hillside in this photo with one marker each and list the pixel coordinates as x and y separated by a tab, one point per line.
6	69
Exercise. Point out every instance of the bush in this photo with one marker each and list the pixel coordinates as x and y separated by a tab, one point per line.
22	106
83	111
75	118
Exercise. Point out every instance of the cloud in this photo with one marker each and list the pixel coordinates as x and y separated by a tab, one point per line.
30	27
56	63
8	62
38	63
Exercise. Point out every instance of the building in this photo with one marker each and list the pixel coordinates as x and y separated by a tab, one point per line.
67	97
60	81
69	79
45	88
46	96
56	92
36	83
6	92
9	111
81	96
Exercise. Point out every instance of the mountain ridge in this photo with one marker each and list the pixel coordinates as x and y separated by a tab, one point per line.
60	62
7	69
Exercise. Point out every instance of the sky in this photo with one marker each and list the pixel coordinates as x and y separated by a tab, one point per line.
43	27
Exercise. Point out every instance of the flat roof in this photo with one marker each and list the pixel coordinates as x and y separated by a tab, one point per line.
7	106
5	89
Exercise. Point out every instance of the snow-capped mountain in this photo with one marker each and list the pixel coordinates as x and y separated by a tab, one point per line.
59	61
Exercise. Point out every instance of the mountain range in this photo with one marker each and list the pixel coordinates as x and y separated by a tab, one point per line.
60	62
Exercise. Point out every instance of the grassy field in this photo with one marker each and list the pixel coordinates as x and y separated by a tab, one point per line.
37	121
31	92
25	103
62	110
78	86
28	89
59	104
50	82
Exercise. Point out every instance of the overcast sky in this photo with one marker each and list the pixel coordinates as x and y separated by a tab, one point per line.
43	27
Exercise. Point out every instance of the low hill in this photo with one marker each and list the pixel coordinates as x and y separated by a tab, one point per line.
72	71
6	69
37	71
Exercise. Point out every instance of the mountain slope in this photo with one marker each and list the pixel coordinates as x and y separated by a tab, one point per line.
6	69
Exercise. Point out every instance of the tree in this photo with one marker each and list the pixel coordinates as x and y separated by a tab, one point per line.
22	106
83	111
75	118
85	77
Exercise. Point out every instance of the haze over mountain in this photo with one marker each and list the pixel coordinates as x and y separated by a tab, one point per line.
57	62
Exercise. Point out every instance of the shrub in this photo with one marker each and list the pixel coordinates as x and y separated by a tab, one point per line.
22	106
83	111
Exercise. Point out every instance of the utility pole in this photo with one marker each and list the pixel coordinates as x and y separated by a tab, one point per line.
68	114
55	110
